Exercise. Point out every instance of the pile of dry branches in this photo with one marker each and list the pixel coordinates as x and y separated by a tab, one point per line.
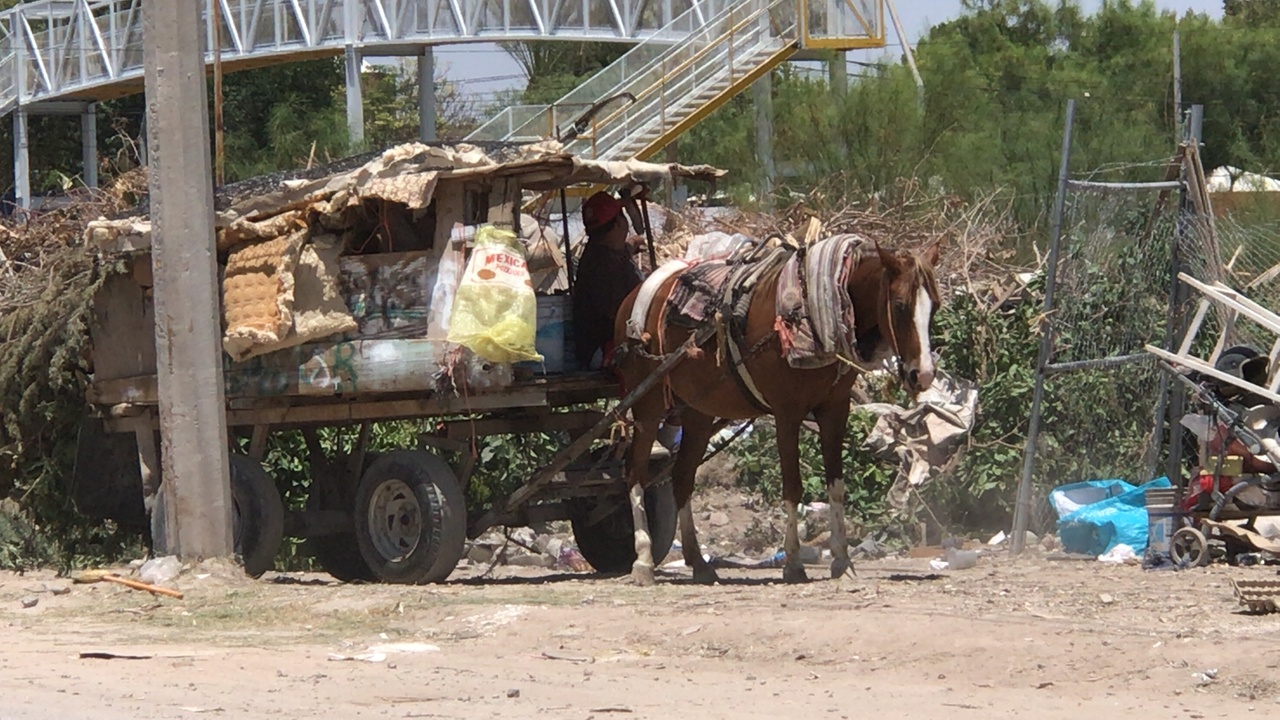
976	237
47	282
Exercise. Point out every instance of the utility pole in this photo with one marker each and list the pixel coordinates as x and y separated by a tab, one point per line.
195	481
1177	87
427	95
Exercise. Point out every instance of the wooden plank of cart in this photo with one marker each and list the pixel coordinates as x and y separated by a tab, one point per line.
390	237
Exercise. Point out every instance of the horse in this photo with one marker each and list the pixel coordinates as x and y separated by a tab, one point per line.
893	297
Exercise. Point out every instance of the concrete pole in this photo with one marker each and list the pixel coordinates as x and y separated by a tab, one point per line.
355	98
763	89
89	144
838	73
21	160
195	484
427	95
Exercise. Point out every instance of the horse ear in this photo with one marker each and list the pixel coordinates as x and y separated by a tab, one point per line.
888	259
932	253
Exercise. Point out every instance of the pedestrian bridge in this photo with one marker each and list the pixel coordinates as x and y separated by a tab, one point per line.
59	57
92	49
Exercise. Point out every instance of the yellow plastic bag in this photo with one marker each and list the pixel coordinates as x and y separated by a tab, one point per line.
495	313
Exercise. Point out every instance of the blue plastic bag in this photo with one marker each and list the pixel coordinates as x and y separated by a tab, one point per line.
1097	515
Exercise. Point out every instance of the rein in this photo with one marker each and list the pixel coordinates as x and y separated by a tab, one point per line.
893	337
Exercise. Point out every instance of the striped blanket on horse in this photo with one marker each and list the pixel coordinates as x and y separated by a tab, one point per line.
815	314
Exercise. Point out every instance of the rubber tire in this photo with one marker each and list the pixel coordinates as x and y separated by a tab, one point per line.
443	507
258	515
1198	547
339	554
609	545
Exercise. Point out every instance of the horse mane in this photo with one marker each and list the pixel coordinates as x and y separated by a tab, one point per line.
923	274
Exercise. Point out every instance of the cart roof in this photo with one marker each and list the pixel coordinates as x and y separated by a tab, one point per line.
409	173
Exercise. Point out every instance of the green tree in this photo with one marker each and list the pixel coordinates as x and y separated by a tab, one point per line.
555	68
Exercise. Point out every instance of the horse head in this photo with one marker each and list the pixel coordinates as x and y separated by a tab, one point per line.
909	297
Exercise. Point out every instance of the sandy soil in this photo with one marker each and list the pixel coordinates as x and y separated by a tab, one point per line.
1069	639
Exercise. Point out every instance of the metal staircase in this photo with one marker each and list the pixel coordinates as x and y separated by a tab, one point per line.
675	86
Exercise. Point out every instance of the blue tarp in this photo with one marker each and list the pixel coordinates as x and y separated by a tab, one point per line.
1096	516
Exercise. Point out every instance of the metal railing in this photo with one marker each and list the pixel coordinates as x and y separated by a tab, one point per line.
673	84
527	123
55	48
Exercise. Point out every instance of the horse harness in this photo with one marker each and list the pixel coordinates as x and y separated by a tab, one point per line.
748	266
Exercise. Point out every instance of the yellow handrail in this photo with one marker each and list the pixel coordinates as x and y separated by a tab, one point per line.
661	84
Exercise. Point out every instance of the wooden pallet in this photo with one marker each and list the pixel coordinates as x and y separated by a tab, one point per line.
1235	304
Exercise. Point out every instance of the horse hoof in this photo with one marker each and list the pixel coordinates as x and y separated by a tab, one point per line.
642	576
705	576
794	574
840	566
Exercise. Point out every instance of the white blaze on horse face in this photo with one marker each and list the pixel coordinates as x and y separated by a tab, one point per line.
924	312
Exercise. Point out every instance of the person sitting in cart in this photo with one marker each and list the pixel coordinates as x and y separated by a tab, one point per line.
606	274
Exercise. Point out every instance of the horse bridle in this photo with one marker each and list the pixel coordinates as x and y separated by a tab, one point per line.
893	339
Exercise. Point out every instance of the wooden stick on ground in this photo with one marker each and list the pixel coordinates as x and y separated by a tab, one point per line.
93	576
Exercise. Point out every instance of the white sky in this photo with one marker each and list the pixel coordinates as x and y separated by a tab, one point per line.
483	70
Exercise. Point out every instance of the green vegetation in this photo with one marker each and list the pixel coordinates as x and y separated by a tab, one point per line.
997	79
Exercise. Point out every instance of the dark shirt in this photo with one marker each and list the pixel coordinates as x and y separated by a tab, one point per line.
604	279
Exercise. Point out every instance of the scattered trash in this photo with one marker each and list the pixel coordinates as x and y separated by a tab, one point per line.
538	561
571	559
551	655
726	434
1206	677
103	655
611	710
158	571
999	538
192	709
1097	515
871	549
362	657
416	647
961	559
1258	596
30	601
379	653
938	565
1119	555
1106	599
513	693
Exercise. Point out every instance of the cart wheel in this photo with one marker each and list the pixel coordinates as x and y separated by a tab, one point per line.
410	518
1189	547
338	554
257	515
609	545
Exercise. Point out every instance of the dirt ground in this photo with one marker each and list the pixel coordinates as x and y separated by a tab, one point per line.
1069	638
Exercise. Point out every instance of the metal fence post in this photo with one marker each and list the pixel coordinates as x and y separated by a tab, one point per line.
1023	507
1177	291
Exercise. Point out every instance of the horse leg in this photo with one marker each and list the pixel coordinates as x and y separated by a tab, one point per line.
698	429
643	435
788	430
832	421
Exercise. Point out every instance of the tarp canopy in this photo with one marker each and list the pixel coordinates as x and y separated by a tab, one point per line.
406	174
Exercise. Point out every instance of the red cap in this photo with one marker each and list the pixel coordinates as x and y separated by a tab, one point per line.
600	209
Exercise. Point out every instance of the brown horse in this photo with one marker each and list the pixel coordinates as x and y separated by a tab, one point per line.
893	295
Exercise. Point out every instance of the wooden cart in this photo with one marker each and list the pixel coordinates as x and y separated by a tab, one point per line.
396	516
